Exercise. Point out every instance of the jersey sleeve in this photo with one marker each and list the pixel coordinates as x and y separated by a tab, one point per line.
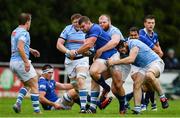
95	31
42	86
146	41
22	36
64	33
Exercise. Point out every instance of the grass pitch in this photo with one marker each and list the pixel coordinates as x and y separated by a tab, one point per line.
110	111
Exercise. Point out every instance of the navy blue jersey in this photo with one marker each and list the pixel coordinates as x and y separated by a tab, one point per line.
102	39
48	86
148	40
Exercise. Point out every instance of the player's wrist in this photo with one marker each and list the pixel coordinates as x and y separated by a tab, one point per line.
67	51
76	52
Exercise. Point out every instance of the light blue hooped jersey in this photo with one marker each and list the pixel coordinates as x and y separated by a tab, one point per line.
19	34
73	39
145	55
114	30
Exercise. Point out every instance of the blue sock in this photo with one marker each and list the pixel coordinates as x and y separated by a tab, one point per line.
121	100
83	98
152	97
94	99
21	94
103	84
129	96
35	102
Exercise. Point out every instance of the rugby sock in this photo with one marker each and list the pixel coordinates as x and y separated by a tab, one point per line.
21	94
162	96
137	109
35	102
129	96
142	99
103	84
147	97
121	100
83	98
67	98
94	99
152	97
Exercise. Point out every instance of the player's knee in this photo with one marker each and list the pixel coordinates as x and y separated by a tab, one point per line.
94	73
149	76
82	75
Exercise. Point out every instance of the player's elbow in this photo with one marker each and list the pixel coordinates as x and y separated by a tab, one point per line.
161	54
89	45
131	60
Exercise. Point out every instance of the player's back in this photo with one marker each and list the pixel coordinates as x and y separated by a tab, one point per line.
145	55
19	34
102	39
114	30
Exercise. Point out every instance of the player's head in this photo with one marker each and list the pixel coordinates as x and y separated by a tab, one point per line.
47	71
133	33
74	19
149	22
85	23
25	19
122	47
105	21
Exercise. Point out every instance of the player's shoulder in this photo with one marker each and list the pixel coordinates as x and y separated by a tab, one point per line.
142	31
21	31
69	27
42	80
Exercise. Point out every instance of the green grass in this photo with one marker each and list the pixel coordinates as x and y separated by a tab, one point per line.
110	111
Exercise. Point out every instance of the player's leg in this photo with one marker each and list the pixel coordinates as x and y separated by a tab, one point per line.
117	88
138	81
82	73
154	71
96	69
34	93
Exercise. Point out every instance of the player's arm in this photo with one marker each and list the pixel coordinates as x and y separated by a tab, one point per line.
64	86
157	49
127	60
20	47
115	38
44	100
89	43
60	45
34	52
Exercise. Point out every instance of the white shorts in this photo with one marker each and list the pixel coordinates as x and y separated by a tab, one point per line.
157	64
71	66
114	57
125	70
64	105
135	69
18	68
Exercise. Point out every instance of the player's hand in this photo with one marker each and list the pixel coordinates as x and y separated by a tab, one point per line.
27	66
35	53
98	54
110	62
57	106
72	53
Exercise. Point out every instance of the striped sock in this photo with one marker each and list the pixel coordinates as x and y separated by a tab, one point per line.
137	109
83	98
21	94
35	102
94	99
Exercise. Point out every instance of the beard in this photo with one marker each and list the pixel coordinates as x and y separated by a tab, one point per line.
106	28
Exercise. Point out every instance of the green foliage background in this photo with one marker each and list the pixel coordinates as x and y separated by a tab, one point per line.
49	17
